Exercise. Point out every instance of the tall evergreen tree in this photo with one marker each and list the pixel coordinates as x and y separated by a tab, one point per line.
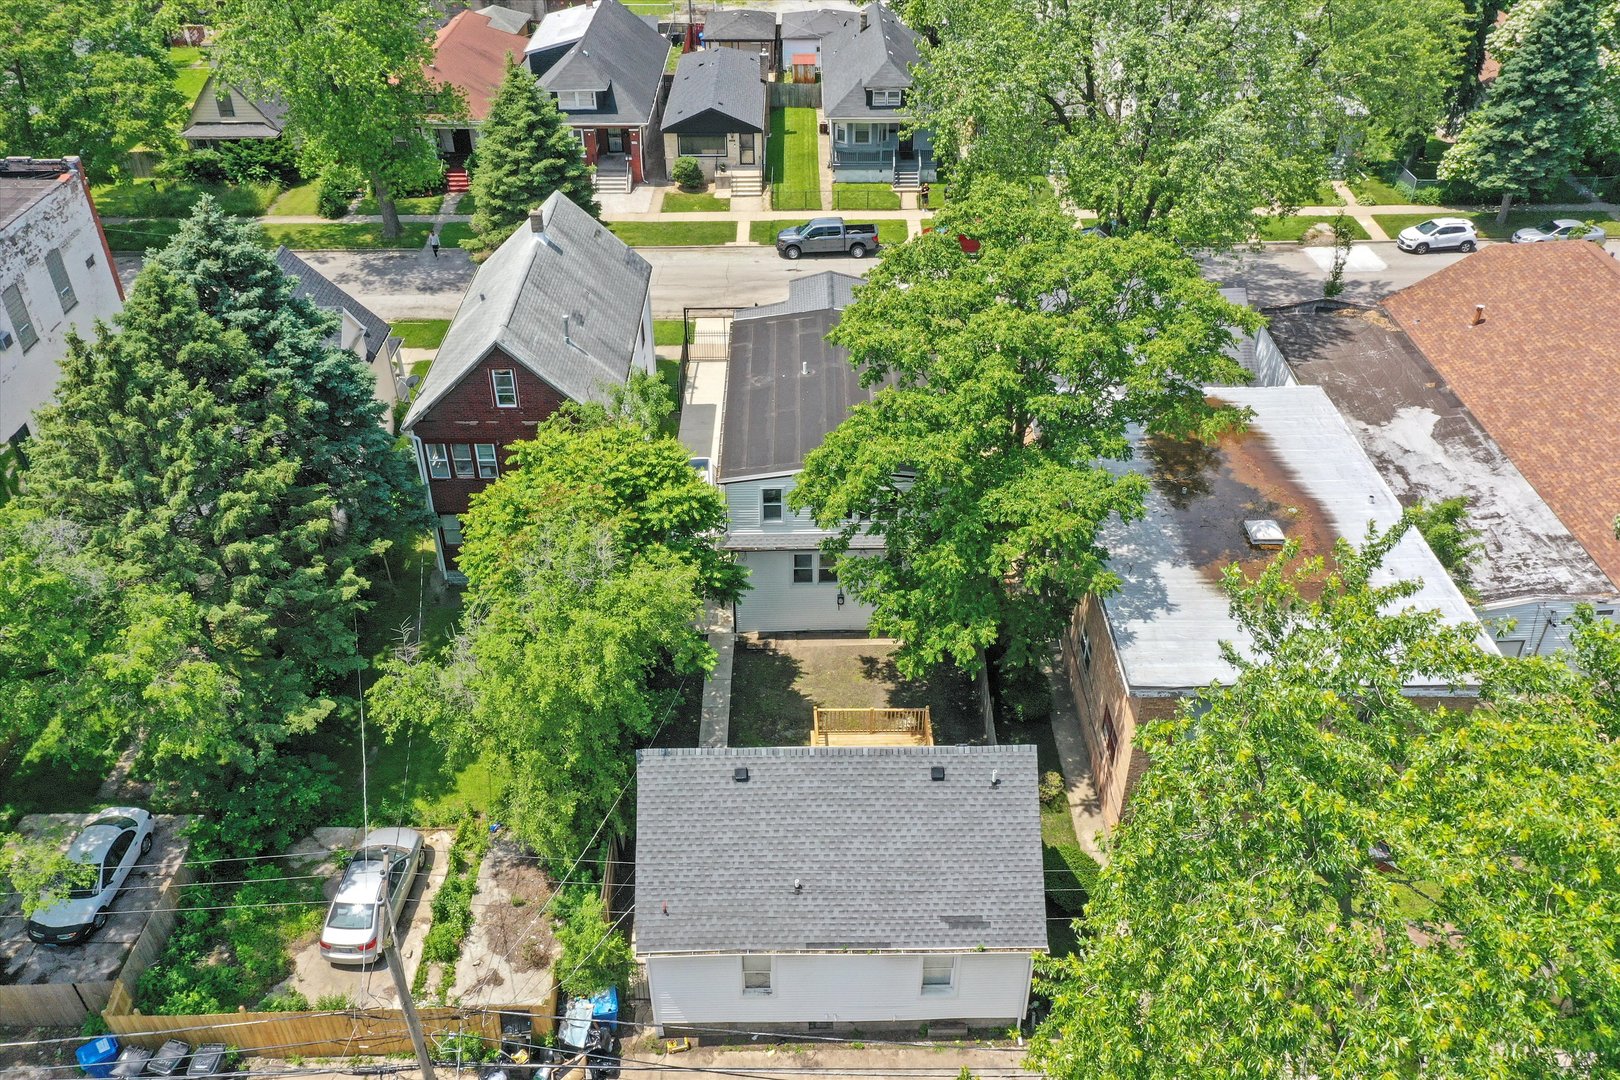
1530	130
524	153
333	417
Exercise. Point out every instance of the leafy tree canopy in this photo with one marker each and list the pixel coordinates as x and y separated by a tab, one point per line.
86	78
1322	876
1183	119
41	874
1006	380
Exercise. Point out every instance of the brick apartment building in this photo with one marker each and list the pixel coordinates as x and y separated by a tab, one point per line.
560	312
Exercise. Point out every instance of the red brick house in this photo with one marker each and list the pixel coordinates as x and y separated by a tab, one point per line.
560	312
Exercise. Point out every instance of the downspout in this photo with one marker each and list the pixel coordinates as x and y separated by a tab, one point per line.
427	491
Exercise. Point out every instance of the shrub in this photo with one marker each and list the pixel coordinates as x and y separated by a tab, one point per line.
1023	695
1053	790
286	1001
338	186
333	1003
594	955
688	174
1071	877
452	906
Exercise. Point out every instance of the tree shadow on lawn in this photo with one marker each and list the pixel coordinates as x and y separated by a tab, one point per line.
767	708
947	691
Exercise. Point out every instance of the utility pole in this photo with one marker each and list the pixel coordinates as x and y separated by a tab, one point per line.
390	951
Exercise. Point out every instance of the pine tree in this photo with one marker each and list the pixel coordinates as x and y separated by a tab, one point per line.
333	418
525	152
1529	132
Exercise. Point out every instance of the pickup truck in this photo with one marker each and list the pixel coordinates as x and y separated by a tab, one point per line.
824	235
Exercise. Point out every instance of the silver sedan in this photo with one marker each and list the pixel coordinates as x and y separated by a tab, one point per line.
1560	229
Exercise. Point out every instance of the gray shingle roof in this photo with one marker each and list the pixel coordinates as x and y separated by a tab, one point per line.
887	858
618	53
853	60
817	23
328	297
828	289
505	19
740	24
725	82
566	304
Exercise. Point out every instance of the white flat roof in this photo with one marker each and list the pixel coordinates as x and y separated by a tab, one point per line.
561	27
1300	465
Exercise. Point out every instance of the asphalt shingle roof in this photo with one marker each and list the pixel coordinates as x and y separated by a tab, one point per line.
328	297
721	81
24	182
740	24
618	53
886	858
470	53
566	304
853	60
816	23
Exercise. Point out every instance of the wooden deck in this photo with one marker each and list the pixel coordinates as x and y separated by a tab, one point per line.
872	727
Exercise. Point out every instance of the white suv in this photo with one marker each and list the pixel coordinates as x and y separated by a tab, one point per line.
1439	234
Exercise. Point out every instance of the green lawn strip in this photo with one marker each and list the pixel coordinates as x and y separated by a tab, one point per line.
671	332
1295	226
669	372
674	233
1486	224
421	333
452	233
681	202
452	905
673	59
865	197
764	232
300	201
141	235
417	204
348	235
892	232
793	156
175	198
466	204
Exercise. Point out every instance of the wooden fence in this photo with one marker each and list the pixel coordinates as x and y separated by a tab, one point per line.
794	95
872	727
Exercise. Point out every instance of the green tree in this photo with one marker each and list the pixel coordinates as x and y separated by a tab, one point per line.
86	78
595	954
588	564
333	419
1182	121
352	76
525	152
1454	541
1532	127
1322	876
1014	374
41	874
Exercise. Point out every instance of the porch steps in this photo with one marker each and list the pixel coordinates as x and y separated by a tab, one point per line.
611	182
747	184
907	175
456	181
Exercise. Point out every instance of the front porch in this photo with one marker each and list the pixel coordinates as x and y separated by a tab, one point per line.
875	153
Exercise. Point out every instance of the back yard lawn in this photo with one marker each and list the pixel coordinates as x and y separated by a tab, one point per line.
795	161
421	333
1486	222
674	233
190	73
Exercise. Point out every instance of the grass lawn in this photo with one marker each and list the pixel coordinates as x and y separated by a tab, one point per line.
190	73
467	204
418	204
671	332
185	55
651	7
421	333
669	371
681	202
1486	222
1294	226
175	198
452	233
892	232
346	235
674	233
764	232
140	235
936	197
794	160
865	197
1376	191
297	201
672	59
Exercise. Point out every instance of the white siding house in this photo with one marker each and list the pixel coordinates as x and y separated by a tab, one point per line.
791	888
56	276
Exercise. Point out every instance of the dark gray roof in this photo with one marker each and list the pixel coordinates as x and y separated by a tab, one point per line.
786	385
740	24
854	60
224	130
328	297
817	23
723	82
507	20
618	53
887	858
566	304
25	181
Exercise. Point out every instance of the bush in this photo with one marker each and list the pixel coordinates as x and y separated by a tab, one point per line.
594	955
286	1001
1053	790
1071	877
339	186
243	161
688	174
1023	695
452	906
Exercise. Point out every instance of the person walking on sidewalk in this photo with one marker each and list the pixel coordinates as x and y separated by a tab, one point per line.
433	241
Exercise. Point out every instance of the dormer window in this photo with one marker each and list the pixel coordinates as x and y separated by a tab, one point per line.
576	99
886	99
224	103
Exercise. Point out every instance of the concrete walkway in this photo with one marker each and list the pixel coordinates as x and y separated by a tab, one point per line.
1085	805
715	726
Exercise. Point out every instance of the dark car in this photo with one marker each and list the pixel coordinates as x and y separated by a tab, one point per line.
827	236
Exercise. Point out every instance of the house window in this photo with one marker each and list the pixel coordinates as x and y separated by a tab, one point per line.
841	133
756	973
576	99
804	568
505	383
438	461
487	467
17	312
1085	650
886	99
464	460
826	568
861	134
701	145
225	105
938	974
60	282
451	525
770	504
1110	736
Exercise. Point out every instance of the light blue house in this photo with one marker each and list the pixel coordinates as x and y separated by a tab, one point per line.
865	82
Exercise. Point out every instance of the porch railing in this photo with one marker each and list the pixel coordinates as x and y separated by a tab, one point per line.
913	725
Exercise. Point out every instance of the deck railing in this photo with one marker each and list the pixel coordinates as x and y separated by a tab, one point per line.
910	725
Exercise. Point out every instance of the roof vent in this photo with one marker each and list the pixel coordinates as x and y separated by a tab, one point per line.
937	772
995	777
1479	314
798	886
1264	533
740	774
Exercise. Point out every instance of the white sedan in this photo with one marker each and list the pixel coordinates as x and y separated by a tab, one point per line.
112	844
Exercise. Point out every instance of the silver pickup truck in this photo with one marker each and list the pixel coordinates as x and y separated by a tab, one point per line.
826	235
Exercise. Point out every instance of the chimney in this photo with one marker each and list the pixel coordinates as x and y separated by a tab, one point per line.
863	18
537	220
1479	314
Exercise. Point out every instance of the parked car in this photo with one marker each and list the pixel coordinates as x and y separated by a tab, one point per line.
112	843
1560	229
1439	234
386	862
827	235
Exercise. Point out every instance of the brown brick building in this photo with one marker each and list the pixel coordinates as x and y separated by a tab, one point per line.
561	312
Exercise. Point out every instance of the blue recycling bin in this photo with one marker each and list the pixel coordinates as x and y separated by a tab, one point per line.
605	1006
96	1058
